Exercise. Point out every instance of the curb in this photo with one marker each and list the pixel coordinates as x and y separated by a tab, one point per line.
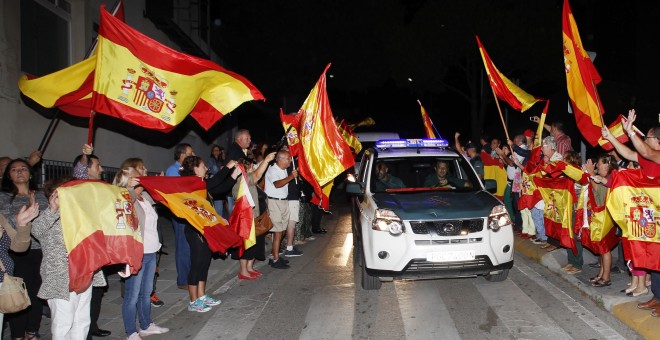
622	307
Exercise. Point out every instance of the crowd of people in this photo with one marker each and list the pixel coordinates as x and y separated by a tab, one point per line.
32	243
526	207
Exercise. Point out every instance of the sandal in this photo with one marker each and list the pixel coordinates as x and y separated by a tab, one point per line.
594	279
574	270
601	283
31	336
567	267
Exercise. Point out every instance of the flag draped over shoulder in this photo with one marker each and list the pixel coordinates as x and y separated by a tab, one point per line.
558	194
594	223
324	154
148	84
494	169
100	227
504	88
634	202
429	128
350	137
186	197
241	218
581	80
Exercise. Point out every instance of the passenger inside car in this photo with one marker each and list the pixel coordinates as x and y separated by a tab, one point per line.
441	178
385	180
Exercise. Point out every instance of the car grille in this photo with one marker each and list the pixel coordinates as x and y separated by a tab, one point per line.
447	227
423	266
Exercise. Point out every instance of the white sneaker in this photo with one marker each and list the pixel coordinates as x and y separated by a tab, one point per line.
153	329
134	336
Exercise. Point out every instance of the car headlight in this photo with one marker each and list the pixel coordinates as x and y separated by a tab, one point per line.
498	218
387	220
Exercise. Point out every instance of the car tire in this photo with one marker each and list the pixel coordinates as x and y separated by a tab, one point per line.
369	282
498	277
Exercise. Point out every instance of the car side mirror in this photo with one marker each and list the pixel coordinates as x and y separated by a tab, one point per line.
490	185
355	189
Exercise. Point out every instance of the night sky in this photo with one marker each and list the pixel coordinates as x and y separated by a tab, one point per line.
375	46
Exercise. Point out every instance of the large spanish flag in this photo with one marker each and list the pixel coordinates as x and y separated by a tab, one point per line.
324	153
594	223
494	169
148	84
581	80
429	128
634	202
241	218
504	88
186	197
558	194
100	227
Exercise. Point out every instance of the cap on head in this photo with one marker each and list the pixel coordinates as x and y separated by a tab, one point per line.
528	133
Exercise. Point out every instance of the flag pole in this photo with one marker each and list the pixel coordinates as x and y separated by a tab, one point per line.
506	132
600	109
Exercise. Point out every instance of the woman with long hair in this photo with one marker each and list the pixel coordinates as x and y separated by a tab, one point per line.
138	287
18	186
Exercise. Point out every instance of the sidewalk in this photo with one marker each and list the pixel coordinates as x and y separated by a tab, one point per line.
617	303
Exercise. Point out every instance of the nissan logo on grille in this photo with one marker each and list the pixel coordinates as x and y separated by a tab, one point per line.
448	229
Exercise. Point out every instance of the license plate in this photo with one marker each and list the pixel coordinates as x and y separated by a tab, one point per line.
450	256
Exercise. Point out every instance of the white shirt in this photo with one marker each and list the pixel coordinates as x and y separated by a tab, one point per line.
150	232
274	174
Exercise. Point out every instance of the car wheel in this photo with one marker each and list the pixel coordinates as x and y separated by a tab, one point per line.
369	282
498	277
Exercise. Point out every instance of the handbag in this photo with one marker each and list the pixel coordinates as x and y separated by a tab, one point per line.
262	224
13	294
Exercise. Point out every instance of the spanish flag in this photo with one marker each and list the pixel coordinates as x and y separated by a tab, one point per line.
616	129
350	137
561	168
151	85
290	125
594	223
324	154
186	197
367	122
634	202
558	194
504	88
494	169
529	194
581	80
429	128
241	218
100	227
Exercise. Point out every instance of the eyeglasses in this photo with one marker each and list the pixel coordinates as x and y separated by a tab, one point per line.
649	137
18	169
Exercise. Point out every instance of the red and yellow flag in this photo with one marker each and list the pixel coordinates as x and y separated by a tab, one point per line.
100	227
350	137
558	194
634	202
186	197
616	129
581	80
367	122
594	223
494	169
429	128
290	125
324	154
241	218
561	168
504	88
151	85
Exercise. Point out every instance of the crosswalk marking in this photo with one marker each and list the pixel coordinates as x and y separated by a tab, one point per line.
424	314
223	325
330	313
520	314
583	313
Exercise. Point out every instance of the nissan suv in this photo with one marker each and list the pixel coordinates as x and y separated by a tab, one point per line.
420	211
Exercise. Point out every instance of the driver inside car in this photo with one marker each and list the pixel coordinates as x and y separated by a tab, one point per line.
386	180
440	178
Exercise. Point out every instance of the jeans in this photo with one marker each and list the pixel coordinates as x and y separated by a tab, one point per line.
655	284
182	252
537	217
137	293
230	205
219	206
575	260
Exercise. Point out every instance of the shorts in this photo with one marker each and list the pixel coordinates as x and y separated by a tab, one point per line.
294	210
279	214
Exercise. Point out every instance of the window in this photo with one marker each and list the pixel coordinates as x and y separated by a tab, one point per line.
45	36
414	174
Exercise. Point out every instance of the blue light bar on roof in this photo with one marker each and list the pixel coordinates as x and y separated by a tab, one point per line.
411	143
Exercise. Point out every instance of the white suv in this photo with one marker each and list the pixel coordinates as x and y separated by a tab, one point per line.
421	212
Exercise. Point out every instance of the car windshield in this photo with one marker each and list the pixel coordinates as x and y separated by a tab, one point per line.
414	174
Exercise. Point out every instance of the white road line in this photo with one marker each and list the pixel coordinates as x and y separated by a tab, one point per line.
424	314
583	313
330	313
521	315
223	324
338	256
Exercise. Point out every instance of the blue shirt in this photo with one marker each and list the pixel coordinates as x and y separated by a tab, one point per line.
173	170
